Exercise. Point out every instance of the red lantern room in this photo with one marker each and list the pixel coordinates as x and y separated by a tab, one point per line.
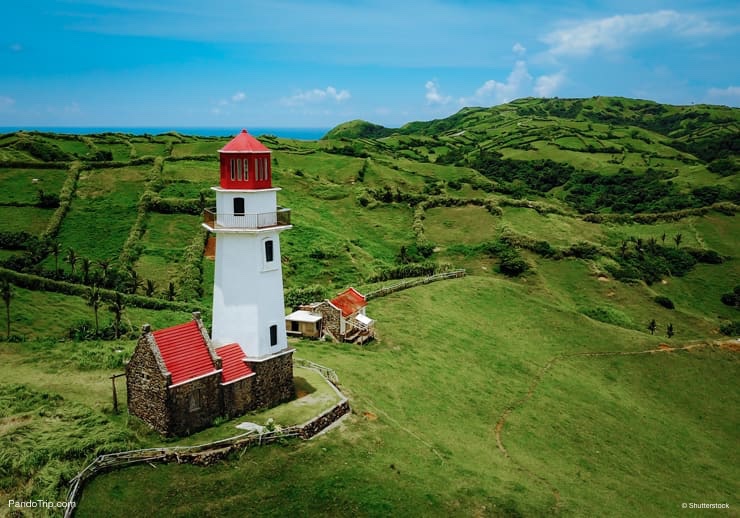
245	164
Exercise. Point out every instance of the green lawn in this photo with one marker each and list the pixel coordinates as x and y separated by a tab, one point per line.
18	185
426	402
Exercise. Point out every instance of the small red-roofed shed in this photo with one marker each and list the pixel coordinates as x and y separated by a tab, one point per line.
234	366
350	301
237	380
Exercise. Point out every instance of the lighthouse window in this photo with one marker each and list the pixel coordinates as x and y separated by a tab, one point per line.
267	169
269	251
239	170
239	206
246	169
273	335
232	164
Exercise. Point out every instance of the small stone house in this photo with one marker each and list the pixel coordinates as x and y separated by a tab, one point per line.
178	383
342	318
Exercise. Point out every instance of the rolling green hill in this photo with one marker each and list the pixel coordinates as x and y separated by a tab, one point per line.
532	386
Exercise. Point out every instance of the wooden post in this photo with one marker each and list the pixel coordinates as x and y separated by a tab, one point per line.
115	395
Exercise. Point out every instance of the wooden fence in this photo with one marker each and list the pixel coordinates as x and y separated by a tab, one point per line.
205	454
382	292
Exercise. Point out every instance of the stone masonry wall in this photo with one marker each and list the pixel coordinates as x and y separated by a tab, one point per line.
273	381
194	405
146	387
331	317
238	397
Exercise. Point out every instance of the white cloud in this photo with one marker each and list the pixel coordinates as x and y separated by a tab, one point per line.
546	86
433	96
238	97
6	102
518	49
581	39
729	95
494	92
316	96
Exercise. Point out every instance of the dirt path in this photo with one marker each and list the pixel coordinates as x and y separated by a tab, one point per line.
519	402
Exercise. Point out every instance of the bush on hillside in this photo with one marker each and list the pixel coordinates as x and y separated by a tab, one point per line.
731	328
664	301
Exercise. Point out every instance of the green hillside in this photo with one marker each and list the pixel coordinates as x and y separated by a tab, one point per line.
533	386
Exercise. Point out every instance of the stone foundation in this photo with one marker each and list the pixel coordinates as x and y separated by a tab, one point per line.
273	380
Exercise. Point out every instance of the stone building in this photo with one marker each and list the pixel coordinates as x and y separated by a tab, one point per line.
342	319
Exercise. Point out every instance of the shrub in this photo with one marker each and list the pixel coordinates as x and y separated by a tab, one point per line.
608	315
731	328
705	256
732	299
512	264
665	302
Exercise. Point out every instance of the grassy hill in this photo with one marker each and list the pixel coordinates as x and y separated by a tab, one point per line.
578	221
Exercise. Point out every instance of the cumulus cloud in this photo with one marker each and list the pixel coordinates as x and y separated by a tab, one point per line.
729	95
238	97
433	96
582	39
546	86
518	49
495	92
317	96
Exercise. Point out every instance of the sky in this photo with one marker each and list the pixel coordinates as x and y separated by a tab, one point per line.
286	63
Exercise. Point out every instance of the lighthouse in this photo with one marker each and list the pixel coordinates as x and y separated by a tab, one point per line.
248	304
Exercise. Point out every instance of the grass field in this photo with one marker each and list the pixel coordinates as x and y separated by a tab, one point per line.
422	436
18	186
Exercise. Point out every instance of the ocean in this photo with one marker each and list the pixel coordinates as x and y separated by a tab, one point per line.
295	133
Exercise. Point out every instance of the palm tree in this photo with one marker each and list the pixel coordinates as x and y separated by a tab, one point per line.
56	249
94	299
71	259
652	326
171	291
85	267
117	307
677	239
150	287
135	282
6	290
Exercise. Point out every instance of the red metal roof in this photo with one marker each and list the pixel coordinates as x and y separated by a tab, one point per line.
232	361
349	301
244	143
184	352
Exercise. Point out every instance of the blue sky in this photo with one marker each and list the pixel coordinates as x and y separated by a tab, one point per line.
284	63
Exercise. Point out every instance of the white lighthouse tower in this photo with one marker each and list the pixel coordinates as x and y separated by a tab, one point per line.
248	305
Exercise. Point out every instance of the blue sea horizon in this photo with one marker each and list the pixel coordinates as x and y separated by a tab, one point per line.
284	132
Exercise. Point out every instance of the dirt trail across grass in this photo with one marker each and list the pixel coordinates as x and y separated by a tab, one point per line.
517	403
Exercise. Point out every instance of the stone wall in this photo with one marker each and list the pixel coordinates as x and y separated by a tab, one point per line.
332	318
195	404
329	417
146	387
238	397
273	381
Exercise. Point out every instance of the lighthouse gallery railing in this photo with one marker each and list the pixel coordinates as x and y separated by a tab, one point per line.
264	220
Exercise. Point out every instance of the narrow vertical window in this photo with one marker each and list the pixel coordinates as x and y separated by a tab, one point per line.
233	169
239	206
246	169
273	335
239	170
269	252
267	169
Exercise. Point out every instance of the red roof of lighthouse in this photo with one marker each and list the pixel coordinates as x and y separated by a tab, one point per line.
184	351
244	143
349	301
232	360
